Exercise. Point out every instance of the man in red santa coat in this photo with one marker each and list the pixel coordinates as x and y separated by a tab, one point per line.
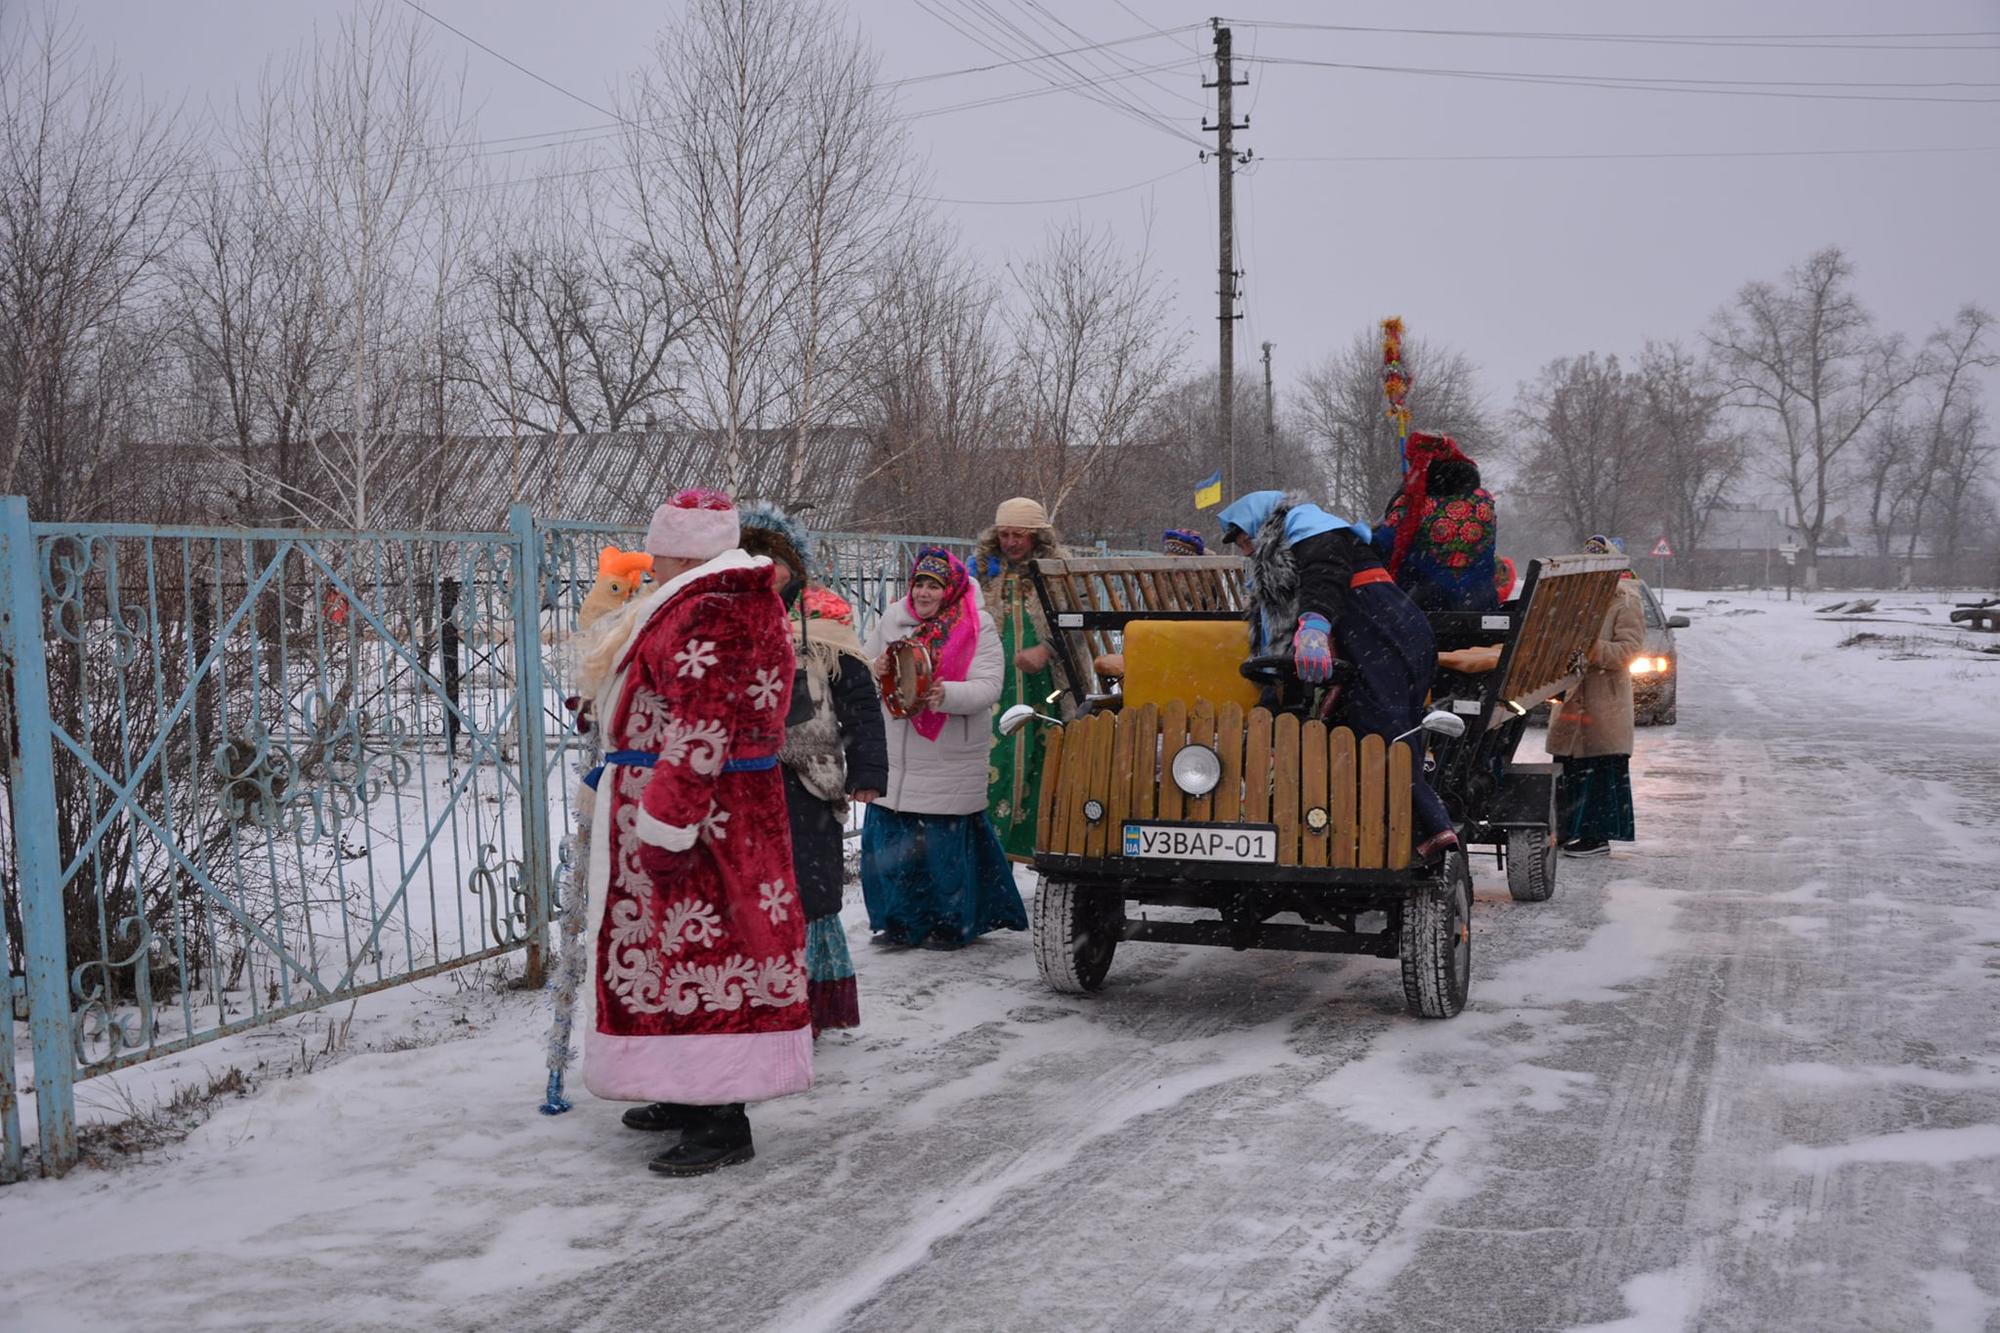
695	996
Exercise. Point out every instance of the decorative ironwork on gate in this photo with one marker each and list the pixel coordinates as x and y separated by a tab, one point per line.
253	772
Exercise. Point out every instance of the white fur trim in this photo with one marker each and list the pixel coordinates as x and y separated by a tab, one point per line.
692	534
658	833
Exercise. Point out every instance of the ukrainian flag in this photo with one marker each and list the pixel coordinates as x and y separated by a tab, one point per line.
1209	493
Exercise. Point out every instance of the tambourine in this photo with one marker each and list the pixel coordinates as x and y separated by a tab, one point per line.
911	672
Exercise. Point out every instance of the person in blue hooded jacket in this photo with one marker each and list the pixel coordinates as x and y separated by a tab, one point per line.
1316	581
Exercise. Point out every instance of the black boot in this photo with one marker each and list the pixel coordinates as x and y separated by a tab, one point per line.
662	1116
721	1137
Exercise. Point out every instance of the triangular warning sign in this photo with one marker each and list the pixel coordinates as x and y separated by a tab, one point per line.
1661	549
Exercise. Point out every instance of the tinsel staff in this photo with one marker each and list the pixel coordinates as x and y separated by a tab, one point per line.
572	891
1396	385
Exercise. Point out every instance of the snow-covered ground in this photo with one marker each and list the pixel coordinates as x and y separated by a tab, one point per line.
1745	1074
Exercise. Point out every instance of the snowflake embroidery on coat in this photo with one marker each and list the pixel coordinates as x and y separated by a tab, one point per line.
774	899
712	823
764	693
699	744
696	658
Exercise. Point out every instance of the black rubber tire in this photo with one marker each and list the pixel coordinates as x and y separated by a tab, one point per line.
1532	855
1075	935
1435	942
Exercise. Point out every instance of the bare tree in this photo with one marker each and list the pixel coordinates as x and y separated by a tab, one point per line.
1584	444
712	152
1094	346
1342	412
1804	355
936	400
853	196
574	329
89	205
1695	456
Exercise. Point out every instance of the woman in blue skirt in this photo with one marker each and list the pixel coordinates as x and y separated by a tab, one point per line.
932	869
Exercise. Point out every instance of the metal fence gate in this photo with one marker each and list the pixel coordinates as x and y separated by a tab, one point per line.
252	772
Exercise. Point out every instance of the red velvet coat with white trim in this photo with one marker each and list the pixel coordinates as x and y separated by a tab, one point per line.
698	984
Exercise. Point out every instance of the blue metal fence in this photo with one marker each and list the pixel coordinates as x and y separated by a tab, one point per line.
252	772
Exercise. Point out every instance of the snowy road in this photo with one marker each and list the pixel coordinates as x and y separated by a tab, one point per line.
1743	1075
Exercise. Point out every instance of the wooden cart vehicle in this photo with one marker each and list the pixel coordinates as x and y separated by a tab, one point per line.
1185	792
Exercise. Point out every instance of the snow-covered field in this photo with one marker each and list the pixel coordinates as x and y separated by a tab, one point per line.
1743	1075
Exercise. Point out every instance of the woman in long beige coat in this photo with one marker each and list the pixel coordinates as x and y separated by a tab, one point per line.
1592	731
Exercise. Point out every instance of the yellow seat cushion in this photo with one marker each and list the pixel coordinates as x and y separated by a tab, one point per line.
1187	660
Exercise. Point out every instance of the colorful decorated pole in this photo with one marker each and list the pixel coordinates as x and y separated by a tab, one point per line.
1396	385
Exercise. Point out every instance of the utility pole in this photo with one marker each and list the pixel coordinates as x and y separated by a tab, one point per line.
1270	420
1226	159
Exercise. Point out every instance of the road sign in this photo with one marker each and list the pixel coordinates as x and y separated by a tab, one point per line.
1661	549
1790	550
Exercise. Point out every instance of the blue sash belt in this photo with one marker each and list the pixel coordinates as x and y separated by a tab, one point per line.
762	763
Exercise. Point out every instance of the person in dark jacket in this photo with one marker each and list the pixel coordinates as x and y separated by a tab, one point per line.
1316	581
834	753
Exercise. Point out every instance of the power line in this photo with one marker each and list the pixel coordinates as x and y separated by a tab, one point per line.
1636	157
512	63
1808	41
1062	199
1617	83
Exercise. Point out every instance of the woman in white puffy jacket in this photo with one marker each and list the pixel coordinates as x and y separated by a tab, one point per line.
932	869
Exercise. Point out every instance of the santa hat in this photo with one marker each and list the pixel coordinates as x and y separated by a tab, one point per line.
697	524
1021	512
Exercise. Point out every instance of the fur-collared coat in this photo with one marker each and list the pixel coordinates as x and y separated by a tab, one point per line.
986	555
695	989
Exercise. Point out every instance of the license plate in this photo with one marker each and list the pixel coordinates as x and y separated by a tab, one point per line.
1202	842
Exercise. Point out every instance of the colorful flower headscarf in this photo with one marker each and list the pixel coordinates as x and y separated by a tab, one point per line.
1179	541
952	635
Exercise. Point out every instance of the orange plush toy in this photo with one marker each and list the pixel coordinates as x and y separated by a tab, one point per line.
619	574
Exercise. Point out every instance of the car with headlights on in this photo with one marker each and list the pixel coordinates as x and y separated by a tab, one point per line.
1656	669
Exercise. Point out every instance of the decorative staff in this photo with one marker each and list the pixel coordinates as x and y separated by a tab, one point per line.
1396	385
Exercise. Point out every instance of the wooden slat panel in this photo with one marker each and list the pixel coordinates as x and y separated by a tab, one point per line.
1229	744
1173	735
1257	767
1285	786
1099	788
1046	838
1201	731
1312	791
1368	856
1344	772
1146	763
1119	807
1398	856
1076	776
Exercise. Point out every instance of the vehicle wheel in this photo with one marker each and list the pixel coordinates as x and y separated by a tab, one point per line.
1531	865
1075	934
1436	941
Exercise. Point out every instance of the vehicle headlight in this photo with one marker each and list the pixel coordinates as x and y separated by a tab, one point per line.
1196	770
1651	666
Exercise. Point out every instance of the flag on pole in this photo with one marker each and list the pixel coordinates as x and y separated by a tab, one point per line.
1209	493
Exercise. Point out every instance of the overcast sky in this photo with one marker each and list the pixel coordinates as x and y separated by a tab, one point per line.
1514	261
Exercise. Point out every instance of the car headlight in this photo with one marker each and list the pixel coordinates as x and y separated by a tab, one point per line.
1652	666
1196	770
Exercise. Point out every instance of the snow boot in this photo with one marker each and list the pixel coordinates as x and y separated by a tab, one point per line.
662	1116
1587	847
721	1137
